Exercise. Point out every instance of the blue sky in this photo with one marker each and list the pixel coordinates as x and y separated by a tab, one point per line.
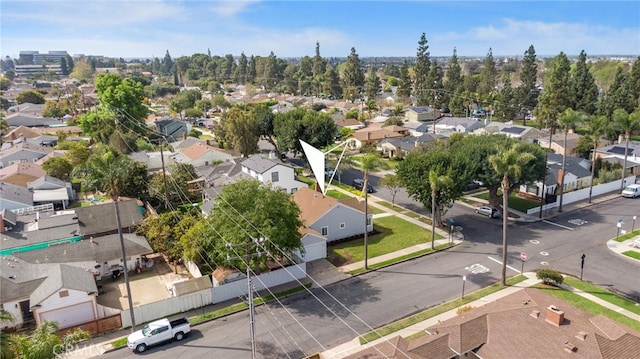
147	28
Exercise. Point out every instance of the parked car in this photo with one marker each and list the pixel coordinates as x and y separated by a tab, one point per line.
359	185
471	186
158	332
489	211
631	191
328	172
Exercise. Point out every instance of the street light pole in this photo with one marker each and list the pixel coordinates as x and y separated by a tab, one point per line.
582	266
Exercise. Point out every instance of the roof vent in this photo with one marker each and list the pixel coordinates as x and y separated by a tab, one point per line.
554	316
535	314
570	348
582	335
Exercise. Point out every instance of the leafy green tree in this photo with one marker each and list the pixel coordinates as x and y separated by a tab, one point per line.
404	88
352	76
315	128
628	124
44	342
123	96
584	86
5	83
421	83
438	183
4	126
6	340
244	211
83	71
30	96
568	120
506	108
414	173
265	118
241	70
242	130
372	86
58	167
558	93
528	91
453	83
165	230
77	152
393	184
488	74
332	83
510	164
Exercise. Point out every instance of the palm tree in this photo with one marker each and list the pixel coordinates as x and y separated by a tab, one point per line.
108	172
510	165
568	120
597	127
437	183
627	123
368	162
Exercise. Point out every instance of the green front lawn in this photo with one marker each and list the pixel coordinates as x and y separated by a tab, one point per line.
394	234
603	294
515	202
632	254
589	306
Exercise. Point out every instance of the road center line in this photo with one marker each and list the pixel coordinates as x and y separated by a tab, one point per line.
508	266
556	224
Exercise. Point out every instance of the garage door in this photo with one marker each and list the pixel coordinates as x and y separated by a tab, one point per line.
315	251
70	316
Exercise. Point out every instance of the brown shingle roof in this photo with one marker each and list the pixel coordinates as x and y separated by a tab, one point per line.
312	204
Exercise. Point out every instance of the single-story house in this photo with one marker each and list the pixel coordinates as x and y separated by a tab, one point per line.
458	124
557	142
270	170
21	173
22	151
172	128
400	147
420	113
202	155
577	175
364	138
332	218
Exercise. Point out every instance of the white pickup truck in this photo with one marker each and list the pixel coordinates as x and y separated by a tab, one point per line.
158	332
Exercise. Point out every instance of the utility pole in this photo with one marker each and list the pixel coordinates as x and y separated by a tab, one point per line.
435	94
164	177
252	250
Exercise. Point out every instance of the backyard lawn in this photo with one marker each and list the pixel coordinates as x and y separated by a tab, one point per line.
394	234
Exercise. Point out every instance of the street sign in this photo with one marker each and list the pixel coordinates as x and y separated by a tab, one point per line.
523	256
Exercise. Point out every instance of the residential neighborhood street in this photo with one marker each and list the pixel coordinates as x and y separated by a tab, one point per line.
309	323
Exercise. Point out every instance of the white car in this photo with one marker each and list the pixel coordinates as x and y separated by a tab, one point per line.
328	172
489	211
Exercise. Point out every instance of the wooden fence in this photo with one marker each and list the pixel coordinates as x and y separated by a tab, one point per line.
98	326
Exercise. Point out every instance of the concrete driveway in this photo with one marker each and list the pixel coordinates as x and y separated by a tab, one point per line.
151	285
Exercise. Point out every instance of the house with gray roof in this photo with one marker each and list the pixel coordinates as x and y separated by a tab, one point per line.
510	130
172	128
417	129
100	219
153	160
400	147
615	153
23	119
47	189
271	171
14	197
458	124
23	151
577	175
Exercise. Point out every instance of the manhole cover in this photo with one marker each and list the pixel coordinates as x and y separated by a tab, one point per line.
544	253
544	263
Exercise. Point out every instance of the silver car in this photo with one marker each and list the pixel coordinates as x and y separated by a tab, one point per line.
489	211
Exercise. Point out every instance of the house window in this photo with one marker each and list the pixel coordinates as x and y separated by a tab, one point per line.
63	293
369	220
325	231
274	177
343	225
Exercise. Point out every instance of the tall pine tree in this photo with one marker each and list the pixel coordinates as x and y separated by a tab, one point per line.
584	87
421	85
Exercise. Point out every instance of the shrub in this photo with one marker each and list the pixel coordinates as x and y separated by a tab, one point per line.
549	276
462	310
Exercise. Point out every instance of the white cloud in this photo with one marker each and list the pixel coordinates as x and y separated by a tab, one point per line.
230	8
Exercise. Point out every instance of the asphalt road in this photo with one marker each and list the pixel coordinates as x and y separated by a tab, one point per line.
316	321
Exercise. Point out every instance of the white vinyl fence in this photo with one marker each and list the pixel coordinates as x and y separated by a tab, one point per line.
583	194
166	307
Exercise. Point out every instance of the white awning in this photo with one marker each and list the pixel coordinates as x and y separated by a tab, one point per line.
49	195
